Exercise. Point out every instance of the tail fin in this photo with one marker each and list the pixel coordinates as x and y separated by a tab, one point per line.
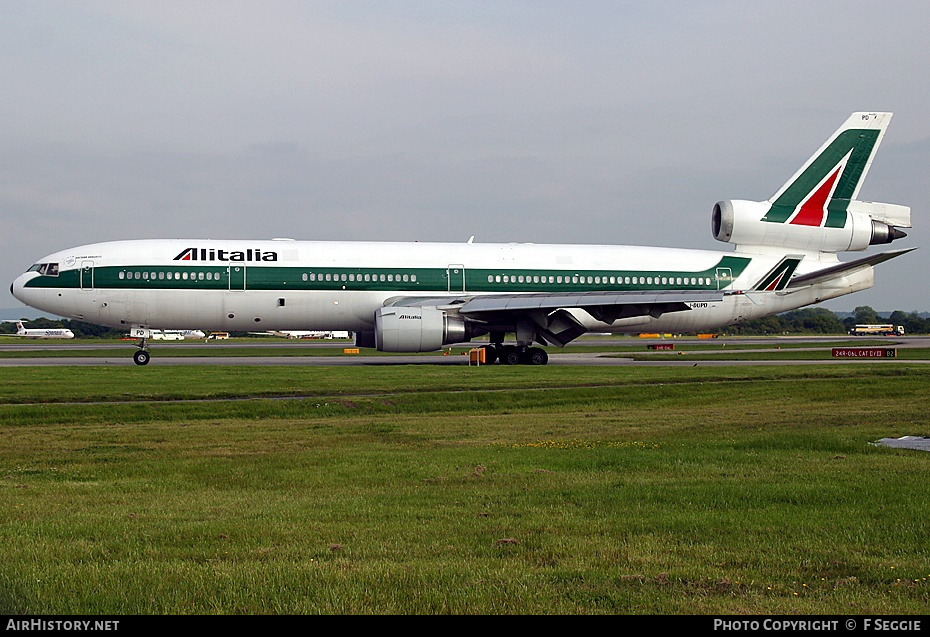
20	329
817	209
820	192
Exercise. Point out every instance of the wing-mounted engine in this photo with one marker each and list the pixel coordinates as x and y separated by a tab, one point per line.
421	329
855	227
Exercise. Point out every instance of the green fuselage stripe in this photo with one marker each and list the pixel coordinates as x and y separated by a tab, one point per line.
288	278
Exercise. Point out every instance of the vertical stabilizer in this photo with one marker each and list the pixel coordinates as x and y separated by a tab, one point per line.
817	209
819	193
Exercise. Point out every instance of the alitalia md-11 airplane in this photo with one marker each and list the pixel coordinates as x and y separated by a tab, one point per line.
416	297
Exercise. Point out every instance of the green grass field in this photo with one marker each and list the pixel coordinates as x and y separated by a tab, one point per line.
448	489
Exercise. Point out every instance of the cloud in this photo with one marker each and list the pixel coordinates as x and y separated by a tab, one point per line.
522	121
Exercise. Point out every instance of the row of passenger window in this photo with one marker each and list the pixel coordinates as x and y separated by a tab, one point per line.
170	276
329	276
311	276
598	280
412	278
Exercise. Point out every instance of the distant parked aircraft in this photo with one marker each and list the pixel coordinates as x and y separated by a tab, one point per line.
177	335
38	332
305	334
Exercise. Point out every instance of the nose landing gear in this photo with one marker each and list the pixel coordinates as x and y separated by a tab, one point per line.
141	357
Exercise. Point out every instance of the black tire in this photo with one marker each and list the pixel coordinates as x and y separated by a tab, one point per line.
490	354
510	355
536	356
141	357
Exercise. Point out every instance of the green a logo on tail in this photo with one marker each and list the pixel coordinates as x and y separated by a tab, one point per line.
819	194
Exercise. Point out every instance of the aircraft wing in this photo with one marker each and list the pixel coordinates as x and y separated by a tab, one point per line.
548	310
604	306
841	269
601	305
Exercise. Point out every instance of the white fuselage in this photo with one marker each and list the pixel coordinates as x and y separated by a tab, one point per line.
228	285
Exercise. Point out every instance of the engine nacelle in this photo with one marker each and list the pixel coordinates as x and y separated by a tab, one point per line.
418	329
745	223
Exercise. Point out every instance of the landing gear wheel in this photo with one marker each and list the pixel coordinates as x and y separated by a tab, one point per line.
536	356
510	355
490	354
141	357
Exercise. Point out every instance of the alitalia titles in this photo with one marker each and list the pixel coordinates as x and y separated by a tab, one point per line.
215	254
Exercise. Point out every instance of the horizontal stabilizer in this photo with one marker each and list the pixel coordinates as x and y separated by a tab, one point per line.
891	214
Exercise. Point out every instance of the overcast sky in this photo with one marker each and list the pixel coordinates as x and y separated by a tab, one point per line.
530	121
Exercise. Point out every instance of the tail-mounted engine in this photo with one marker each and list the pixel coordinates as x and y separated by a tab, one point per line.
856	227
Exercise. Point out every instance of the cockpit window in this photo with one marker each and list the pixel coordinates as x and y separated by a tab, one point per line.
48	269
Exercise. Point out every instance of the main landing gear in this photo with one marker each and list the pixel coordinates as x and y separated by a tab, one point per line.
514	354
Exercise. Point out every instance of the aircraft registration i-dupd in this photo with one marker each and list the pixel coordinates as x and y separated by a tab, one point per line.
416	297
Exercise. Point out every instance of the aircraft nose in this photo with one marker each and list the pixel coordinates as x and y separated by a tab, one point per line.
16	288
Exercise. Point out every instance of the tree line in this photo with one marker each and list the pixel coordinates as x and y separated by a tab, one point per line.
818	320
